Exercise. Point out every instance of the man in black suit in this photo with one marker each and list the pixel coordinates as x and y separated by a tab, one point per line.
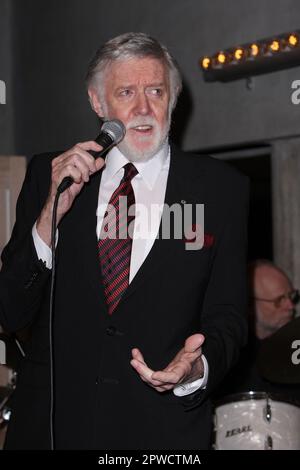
145	330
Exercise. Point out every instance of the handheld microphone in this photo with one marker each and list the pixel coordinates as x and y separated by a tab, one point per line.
112	132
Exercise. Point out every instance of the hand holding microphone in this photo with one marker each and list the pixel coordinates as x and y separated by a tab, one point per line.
72	169
112	132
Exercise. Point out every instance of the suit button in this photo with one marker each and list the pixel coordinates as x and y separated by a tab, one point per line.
111	331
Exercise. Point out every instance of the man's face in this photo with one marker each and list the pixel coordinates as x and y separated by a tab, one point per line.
137	92
272	284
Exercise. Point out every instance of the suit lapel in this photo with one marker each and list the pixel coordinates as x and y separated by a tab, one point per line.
88	203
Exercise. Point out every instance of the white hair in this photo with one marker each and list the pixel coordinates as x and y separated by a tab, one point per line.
128	46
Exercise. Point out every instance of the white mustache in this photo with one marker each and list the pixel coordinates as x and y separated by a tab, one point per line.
141	122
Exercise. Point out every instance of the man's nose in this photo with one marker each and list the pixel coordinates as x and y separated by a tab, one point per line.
142	105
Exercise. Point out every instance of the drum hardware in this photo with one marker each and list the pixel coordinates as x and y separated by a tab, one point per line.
267	411
6	413
269	443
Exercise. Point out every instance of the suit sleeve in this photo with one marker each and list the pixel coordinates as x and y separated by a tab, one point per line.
23	276
224	313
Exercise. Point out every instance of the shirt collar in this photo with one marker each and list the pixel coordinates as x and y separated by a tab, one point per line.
149	170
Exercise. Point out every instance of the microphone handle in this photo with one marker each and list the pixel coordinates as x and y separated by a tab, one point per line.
106	142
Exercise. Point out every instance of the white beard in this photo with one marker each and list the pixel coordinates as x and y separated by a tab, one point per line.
135	154
159	138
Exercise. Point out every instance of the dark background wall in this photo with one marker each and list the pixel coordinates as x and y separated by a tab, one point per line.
45	48
6	66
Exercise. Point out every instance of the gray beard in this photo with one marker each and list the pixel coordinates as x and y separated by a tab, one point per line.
145	156
140	156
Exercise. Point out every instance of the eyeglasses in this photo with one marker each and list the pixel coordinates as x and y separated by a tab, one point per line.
293	296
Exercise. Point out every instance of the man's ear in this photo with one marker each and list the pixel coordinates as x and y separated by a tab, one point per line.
95	102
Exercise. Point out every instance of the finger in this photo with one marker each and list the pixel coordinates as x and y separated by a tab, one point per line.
93	164
144	372
77	150
183	359
83	166
194	343
136	354
165	388
84	155
160	389
90	145
68	170
173	377
142	369
99	162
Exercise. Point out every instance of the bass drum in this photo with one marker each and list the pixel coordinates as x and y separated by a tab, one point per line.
257	421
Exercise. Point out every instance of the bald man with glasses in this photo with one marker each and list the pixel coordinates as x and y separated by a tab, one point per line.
272	305
273	298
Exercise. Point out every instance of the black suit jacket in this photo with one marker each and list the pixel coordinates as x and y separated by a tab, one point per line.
100	401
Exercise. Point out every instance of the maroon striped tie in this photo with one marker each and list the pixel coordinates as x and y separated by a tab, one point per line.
115	242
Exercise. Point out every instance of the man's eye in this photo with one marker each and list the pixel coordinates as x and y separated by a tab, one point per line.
156	91
125	92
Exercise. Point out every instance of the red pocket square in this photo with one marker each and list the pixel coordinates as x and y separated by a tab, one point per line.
209	240
194	231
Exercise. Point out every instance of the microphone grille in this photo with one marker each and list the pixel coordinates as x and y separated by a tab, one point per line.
115	129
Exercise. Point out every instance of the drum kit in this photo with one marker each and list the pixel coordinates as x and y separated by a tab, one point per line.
257	420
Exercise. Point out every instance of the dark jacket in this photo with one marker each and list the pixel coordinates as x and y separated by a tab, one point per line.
100	401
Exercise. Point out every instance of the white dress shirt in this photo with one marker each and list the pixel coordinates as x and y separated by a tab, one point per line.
149	187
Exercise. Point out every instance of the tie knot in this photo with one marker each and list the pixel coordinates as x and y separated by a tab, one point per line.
129	172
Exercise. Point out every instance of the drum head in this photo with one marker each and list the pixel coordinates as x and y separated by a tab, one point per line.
236	397
256	395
